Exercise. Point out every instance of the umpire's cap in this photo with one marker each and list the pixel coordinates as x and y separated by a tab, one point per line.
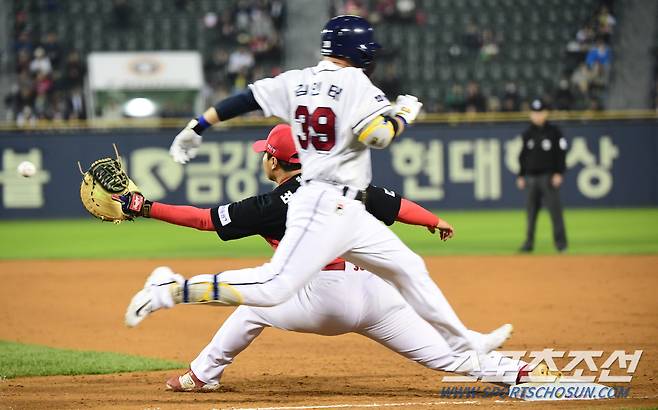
538	105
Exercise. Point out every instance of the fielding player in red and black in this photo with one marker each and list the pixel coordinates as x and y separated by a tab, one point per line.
542	166
263	214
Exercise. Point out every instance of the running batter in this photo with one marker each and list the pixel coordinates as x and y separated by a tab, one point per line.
337	115
341	299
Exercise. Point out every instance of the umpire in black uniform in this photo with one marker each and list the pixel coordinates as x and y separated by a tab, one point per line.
542	165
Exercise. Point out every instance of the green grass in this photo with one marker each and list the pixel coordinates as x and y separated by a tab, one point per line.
590	231
17	360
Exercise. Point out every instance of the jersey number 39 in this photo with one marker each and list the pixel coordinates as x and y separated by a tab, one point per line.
318	127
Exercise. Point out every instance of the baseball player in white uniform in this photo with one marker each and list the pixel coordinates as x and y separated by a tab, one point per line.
342	298
337	115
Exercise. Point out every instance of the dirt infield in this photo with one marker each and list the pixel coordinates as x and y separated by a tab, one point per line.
562	302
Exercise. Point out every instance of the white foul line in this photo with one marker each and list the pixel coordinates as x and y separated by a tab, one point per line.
355	405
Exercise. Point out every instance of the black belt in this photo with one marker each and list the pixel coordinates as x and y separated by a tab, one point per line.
359	196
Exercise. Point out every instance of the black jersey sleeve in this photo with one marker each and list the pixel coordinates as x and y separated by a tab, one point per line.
257	215
383	204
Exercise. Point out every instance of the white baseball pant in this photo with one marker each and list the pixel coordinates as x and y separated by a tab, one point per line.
323	224
339	302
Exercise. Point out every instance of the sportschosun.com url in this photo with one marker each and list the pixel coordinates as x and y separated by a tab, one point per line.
535	392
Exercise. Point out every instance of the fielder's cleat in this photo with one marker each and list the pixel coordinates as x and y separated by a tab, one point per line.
188	382
140	306
540	374
497	338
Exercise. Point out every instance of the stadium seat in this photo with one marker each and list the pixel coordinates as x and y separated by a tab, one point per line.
532	35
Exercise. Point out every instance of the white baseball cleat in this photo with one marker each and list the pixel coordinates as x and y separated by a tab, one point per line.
140	306
188	382
163	275
497	338
154	296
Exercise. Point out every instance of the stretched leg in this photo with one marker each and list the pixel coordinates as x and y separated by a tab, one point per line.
335	302
235	335
327	306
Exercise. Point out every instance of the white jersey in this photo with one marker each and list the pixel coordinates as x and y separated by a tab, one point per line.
327	106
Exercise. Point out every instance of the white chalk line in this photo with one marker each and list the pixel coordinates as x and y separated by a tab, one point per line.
356	405
407	404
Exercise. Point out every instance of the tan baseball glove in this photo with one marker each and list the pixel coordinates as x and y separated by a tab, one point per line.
101	188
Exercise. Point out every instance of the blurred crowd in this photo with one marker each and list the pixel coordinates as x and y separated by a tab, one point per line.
388	11
49	76
248	46
582	87
591	47
246	41
582	84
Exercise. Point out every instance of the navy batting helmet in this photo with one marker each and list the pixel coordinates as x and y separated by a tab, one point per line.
350	37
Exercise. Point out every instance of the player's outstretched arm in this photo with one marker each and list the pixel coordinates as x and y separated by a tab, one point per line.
413	214
389	207
256	215
135	205
186	144
381	131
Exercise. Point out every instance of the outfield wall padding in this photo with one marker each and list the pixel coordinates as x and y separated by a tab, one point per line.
610	164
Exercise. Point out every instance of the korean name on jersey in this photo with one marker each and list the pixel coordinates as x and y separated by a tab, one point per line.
327	106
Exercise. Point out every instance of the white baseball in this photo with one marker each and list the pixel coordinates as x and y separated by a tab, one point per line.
27	169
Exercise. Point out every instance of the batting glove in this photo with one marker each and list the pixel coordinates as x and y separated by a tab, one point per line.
134	204
186	144
406	107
